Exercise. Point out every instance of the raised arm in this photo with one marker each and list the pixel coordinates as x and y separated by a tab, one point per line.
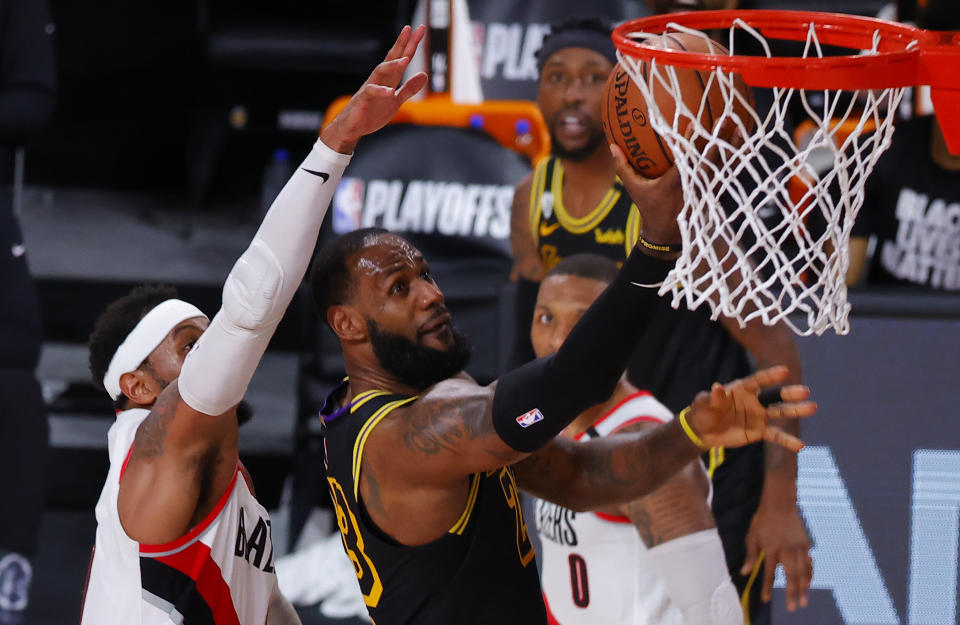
264	280
185	450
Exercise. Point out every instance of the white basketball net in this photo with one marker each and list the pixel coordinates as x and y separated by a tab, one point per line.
747	250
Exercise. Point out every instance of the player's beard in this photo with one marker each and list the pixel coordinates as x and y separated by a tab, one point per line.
595	139
415	365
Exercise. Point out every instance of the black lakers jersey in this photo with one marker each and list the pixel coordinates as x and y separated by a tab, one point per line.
610	229
481	571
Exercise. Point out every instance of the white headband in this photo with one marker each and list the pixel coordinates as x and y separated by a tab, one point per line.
144	338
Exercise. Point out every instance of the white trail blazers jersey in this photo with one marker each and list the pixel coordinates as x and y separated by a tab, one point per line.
595	566
221	572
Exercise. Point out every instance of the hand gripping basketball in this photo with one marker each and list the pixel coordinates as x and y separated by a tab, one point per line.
378	99
732	415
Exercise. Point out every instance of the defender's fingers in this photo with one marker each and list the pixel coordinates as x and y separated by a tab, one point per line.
389	73
414	41
798	569
718	395
769	574
413	86
798	410
777	436
753	552
794	392
396	50
798	577
764	377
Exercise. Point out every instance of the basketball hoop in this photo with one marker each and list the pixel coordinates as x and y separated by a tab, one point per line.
735	258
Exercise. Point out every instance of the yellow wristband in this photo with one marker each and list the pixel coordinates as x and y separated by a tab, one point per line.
689	430
668	248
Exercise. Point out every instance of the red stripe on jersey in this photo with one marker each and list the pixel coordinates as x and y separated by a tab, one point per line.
619	405
637	420
196	563
146	549
551	619
612	518
126	460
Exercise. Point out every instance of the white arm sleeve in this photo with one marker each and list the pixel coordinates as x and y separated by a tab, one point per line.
694	570
260	286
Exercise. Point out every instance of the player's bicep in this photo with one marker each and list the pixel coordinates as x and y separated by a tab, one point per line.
449	434
174	428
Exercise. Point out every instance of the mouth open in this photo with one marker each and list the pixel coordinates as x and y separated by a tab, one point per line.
437	325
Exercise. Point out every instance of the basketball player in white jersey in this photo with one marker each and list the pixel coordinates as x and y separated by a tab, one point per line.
655	561
180	536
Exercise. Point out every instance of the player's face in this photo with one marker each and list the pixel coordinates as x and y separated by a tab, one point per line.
570	96
395	289
561	302
164	363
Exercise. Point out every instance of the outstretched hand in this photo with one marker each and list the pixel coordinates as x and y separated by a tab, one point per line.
731	415
378	99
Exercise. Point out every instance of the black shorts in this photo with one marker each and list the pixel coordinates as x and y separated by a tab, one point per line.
737	486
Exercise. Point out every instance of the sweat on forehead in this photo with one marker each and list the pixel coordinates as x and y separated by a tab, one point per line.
383	251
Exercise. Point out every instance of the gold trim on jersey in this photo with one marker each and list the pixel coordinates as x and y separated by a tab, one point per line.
579	225
461	523
632	229
745	597
364	397
717	457
371	423
536	192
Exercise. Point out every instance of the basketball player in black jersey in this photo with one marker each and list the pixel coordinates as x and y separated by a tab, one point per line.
421	461
574	202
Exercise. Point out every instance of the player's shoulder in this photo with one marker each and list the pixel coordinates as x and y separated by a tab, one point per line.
459	388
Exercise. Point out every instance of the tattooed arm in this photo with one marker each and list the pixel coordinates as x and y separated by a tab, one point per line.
618	469
676	509
606	471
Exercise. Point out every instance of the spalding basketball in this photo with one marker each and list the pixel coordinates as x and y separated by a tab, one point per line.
625	117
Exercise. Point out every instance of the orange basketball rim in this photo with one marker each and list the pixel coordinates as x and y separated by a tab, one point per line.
901	55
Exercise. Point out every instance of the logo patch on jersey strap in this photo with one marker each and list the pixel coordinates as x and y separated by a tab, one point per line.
546	230
529	418
546	204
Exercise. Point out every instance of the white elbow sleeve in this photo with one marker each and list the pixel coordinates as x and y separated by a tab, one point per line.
260	286
694	570
251	292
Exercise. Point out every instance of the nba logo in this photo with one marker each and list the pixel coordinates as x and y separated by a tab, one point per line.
529	418
546	204
348	205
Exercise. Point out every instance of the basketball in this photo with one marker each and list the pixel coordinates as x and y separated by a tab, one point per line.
626	119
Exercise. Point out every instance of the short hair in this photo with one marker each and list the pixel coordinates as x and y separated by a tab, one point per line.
590	266
939	15
590	24
116	322
330	277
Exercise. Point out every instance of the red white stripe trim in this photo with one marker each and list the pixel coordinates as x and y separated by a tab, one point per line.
612	518
196	563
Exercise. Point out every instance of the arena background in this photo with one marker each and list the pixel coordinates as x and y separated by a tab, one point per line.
171	124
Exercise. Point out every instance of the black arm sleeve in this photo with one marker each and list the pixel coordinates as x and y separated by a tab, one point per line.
586	368
523	305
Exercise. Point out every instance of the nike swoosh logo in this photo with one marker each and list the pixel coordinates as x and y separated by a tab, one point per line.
319	174
546	230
